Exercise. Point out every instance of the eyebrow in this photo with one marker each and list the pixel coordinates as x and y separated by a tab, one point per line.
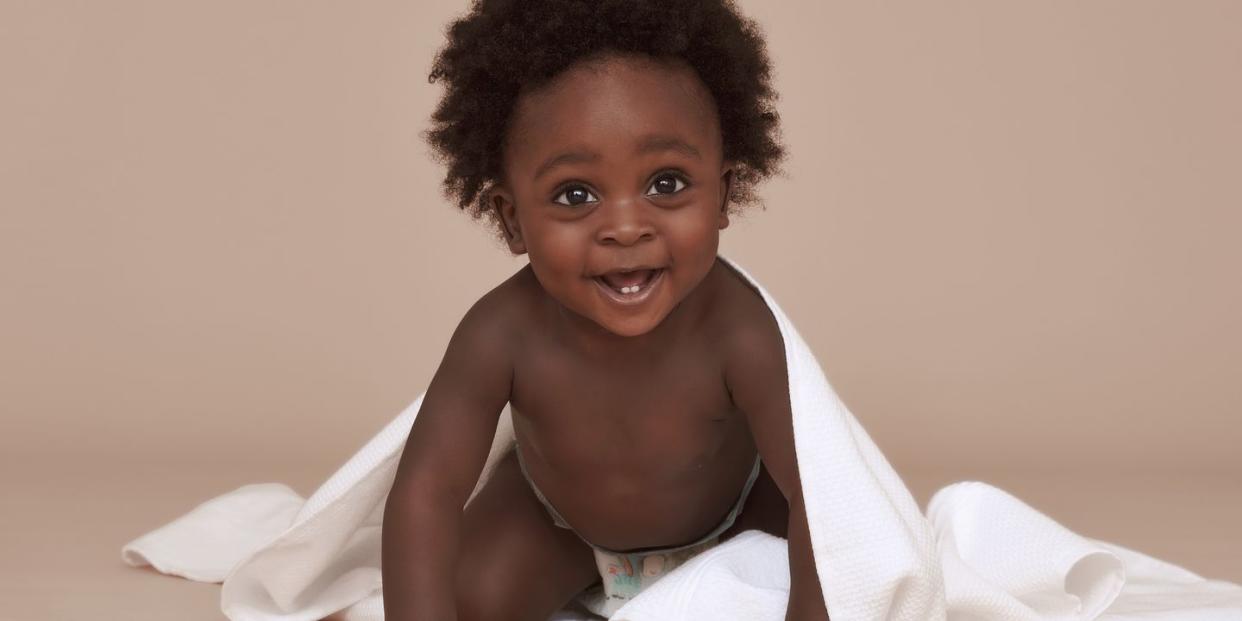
649	144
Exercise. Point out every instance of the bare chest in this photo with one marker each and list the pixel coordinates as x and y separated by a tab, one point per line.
626	425
632	457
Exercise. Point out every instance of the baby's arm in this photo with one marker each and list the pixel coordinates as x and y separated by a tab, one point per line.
756	375
443	458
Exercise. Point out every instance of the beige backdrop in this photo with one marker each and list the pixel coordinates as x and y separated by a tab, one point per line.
1009	232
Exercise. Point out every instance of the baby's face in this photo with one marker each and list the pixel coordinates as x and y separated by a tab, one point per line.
614	165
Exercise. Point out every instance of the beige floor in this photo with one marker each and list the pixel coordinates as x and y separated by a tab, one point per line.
63	531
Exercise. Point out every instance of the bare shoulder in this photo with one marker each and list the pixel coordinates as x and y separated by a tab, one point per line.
476	372
498	317
745	328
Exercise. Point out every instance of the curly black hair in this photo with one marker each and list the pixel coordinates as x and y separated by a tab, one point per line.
503	47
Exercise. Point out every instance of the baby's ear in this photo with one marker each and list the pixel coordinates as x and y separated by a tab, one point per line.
501	200
726	189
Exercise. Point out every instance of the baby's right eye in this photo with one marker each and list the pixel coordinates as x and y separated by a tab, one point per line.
572	194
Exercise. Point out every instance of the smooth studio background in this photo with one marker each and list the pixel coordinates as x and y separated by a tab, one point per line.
1009	232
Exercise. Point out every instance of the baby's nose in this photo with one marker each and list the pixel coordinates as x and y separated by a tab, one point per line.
624	222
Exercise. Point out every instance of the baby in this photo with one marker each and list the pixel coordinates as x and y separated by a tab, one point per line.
609	141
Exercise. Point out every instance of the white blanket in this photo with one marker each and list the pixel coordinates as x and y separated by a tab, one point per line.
978	554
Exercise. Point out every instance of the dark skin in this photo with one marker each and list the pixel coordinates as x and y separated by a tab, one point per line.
639	422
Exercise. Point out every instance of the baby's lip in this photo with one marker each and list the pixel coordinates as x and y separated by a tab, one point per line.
619	270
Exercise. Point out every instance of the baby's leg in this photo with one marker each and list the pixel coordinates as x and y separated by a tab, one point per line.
515	564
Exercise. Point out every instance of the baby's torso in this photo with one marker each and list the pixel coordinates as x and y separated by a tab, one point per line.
632	453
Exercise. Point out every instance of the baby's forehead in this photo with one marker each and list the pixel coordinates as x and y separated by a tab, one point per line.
617	71
598	96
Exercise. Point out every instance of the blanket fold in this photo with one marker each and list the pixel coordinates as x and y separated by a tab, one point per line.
978	554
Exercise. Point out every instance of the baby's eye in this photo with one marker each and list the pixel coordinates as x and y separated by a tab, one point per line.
669	182
574	195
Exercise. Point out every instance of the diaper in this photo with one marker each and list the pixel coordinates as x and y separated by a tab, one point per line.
623	575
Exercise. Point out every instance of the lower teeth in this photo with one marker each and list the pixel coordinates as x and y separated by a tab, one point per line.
632	288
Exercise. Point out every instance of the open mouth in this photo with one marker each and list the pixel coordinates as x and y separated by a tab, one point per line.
629	287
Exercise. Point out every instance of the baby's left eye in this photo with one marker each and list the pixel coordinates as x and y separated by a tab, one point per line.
669	182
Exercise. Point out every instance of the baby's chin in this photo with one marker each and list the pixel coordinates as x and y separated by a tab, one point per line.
625	324
630	328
